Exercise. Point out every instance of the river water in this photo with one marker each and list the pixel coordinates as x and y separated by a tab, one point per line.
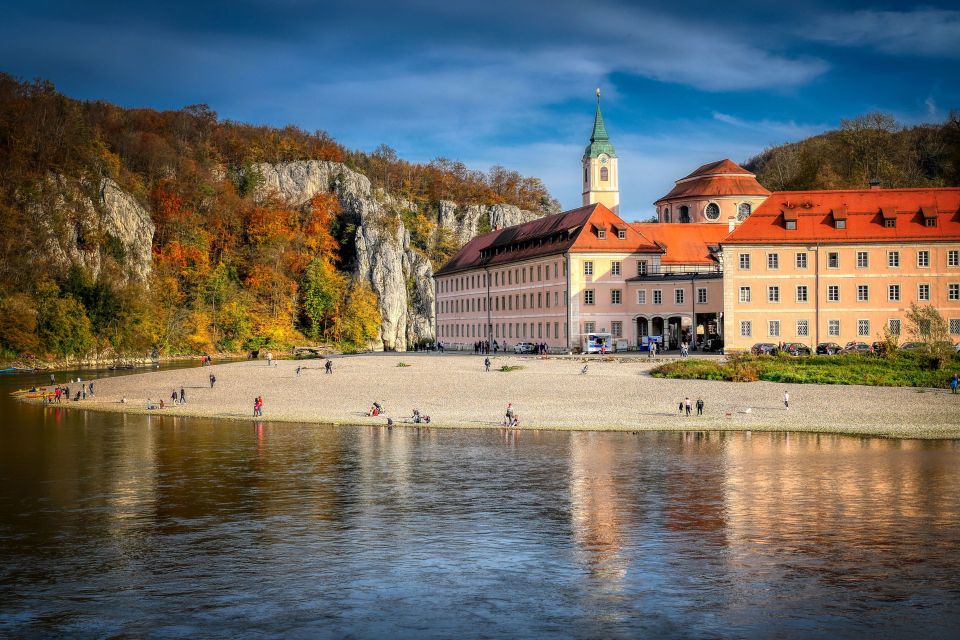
149	526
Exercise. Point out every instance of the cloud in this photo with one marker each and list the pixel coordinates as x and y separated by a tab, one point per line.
788	129
932	33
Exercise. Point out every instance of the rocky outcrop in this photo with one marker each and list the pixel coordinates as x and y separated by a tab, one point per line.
401	276
108	230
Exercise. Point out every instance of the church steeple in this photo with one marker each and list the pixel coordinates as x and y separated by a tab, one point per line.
600	180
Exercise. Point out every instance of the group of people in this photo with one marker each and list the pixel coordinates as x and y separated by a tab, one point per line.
684	349
686	406
258	407
206	360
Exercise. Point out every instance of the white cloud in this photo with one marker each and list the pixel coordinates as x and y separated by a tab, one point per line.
788	129
933	33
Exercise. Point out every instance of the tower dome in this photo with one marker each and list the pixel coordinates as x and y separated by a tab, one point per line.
720	191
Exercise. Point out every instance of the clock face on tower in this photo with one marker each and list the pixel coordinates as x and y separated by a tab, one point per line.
603	159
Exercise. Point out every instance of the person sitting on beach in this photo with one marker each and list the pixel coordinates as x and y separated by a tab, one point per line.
389	422
375	410
426	419
416	415
161	402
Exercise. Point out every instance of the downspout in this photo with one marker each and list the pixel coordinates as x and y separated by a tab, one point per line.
569	328
489	330
816	296
693	297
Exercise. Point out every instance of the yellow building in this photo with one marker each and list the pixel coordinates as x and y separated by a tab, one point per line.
839	266
601	181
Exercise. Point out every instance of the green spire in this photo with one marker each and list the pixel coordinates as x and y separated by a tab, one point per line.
599	140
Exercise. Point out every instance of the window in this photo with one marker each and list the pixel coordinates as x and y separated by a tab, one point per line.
684	214
790	225
833	328
863	328
802	260
615	268
702	295
803	328
743	211
641	267
863	260
744	294
954	326
930	222
746	328
893	324
621	234
893	293
678	296
953	258
588	268
616	329
923	258
540	272
642	296
773	294
773	261
745	261
833	260
540	300
713	211
923	292
604	174
548	299
802	293
589	327
893	259
773	328
657	296
953	291
615	296
863	292
833	293
840	224
890	223
588	296
602	234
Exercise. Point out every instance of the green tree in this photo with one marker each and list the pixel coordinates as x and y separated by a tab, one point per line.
323	299
926	325
62	324
360	323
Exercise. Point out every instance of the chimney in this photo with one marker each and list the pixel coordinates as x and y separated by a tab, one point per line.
874	184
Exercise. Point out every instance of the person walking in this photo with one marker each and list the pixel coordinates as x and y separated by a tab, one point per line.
786	399
699	406
173	398
652	352
183	396
328	366
486	363
298	371
954	383
680	408
213	380
269	358
686	405
91	389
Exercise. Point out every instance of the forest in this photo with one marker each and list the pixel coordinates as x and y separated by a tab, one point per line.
873	146
231	270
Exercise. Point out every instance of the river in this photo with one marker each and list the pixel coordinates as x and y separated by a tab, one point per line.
150	526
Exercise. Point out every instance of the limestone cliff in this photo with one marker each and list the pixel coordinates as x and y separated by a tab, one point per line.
97	229
400	274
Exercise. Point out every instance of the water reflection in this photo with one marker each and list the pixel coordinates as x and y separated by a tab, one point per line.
157	525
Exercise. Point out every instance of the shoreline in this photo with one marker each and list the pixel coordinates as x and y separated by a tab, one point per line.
614	395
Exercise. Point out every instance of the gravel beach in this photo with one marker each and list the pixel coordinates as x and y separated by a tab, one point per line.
552	393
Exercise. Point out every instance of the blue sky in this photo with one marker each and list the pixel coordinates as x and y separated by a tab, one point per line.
509	82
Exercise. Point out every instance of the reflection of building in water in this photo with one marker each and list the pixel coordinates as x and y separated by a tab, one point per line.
813	488
596	509
132	492
694	496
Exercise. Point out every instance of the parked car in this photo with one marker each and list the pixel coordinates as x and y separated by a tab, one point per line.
796	348
713	342
764	349
879	348
857	347
828	349
524	347
912	346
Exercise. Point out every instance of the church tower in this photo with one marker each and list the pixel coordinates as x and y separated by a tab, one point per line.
601	182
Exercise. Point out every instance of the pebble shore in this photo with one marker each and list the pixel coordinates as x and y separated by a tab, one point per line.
547	393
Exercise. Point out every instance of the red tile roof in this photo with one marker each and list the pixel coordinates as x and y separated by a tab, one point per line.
864	210
559	233
720	178
684	243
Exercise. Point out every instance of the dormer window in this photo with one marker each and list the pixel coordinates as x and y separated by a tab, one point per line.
621	234
889	215
602	234
929	213
890	223
790	219
930	222
791	225
839	224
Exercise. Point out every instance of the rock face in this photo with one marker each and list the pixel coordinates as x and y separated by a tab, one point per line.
401	276
110	230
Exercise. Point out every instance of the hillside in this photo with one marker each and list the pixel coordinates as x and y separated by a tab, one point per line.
873	146
129	229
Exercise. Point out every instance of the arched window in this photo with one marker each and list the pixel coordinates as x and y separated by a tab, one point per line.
585	176
666	214
712	212
684	214
604	174
743	211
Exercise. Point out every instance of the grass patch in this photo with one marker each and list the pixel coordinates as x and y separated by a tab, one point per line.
507	368
910	369
402	364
